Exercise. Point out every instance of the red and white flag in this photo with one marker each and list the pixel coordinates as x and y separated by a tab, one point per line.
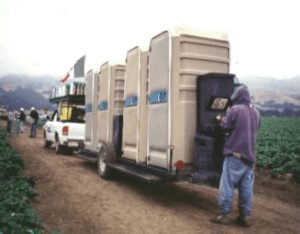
66	76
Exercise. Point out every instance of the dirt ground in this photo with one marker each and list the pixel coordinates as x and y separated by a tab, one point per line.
72	198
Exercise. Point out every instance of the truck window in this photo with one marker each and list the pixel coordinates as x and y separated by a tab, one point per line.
53	115
77	115
66	113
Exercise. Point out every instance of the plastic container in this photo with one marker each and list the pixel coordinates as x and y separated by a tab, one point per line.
72	88
134	144
67	89
54	92
175	60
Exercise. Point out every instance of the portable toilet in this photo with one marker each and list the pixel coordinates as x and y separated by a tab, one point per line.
110	100
175	60
134	143
91	100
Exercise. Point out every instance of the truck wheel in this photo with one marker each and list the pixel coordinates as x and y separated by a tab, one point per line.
103	170
58	147
47	143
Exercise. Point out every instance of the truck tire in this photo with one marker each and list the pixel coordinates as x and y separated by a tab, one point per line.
58	147
104	156
47	143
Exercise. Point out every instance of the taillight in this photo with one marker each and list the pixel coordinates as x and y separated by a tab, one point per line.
65	130
179	165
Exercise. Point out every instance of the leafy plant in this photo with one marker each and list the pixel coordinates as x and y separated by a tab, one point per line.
15	191
278	146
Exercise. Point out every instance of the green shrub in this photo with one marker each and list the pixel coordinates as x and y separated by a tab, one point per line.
15	190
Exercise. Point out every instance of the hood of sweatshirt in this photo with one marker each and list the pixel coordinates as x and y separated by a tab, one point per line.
241	95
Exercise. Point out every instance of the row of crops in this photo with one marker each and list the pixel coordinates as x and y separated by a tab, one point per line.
278	146
15	192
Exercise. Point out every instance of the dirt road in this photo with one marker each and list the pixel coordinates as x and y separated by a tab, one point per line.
74	199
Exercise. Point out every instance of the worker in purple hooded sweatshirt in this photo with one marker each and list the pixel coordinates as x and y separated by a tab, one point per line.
241	124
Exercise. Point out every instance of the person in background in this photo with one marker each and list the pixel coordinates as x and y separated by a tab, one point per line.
22	118
16	114
34	115
10	118
240	124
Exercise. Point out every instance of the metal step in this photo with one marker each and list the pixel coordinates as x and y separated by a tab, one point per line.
87	155
139	173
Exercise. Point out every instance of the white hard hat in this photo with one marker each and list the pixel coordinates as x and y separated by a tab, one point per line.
32	108
21	109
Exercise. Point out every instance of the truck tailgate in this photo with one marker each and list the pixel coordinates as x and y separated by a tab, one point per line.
76	131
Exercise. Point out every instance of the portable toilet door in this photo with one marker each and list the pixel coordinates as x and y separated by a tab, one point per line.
103	98
89	110
175	60
95	110
134	142
91	97
110	99
94	137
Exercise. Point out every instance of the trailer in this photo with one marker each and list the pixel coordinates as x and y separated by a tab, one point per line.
156	114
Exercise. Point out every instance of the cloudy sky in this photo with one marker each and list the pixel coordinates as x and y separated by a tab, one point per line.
46	37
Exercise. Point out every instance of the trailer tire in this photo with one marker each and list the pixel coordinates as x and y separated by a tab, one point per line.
105	155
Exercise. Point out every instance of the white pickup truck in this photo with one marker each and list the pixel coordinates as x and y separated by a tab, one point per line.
67	135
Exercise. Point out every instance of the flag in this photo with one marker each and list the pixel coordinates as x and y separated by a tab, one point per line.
79	67
66	76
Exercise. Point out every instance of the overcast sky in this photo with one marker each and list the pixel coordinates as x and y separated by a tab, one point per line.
46	37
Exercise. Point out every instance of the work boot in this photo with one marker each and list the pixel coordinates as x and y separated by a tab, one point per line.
221	219
243	221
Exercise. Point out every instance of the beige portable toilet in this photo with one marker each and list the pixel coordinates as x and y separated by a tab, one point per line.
175	60
110	100
134	142
91	110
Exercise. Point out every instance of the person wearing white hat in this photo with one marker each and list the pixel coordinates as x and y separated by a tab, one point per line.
22	118
34	119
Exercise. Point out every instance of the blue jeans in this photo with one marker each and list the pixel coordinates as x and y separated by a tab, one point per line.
236	174
33	129
21	126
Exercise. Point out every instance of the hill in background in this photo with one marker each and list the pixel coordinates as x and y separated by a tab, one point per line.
275	96
23	91
272	96
286	86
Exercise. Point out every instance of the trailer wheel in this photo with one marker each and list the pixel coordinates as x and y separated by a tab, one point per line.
47	143
103	156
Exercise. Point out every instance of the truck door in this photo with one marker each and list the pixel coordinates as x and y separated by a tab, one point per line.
51	128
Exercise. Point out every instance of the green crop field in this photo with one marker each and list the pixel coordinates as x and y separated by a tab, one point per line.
278	146
15	192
